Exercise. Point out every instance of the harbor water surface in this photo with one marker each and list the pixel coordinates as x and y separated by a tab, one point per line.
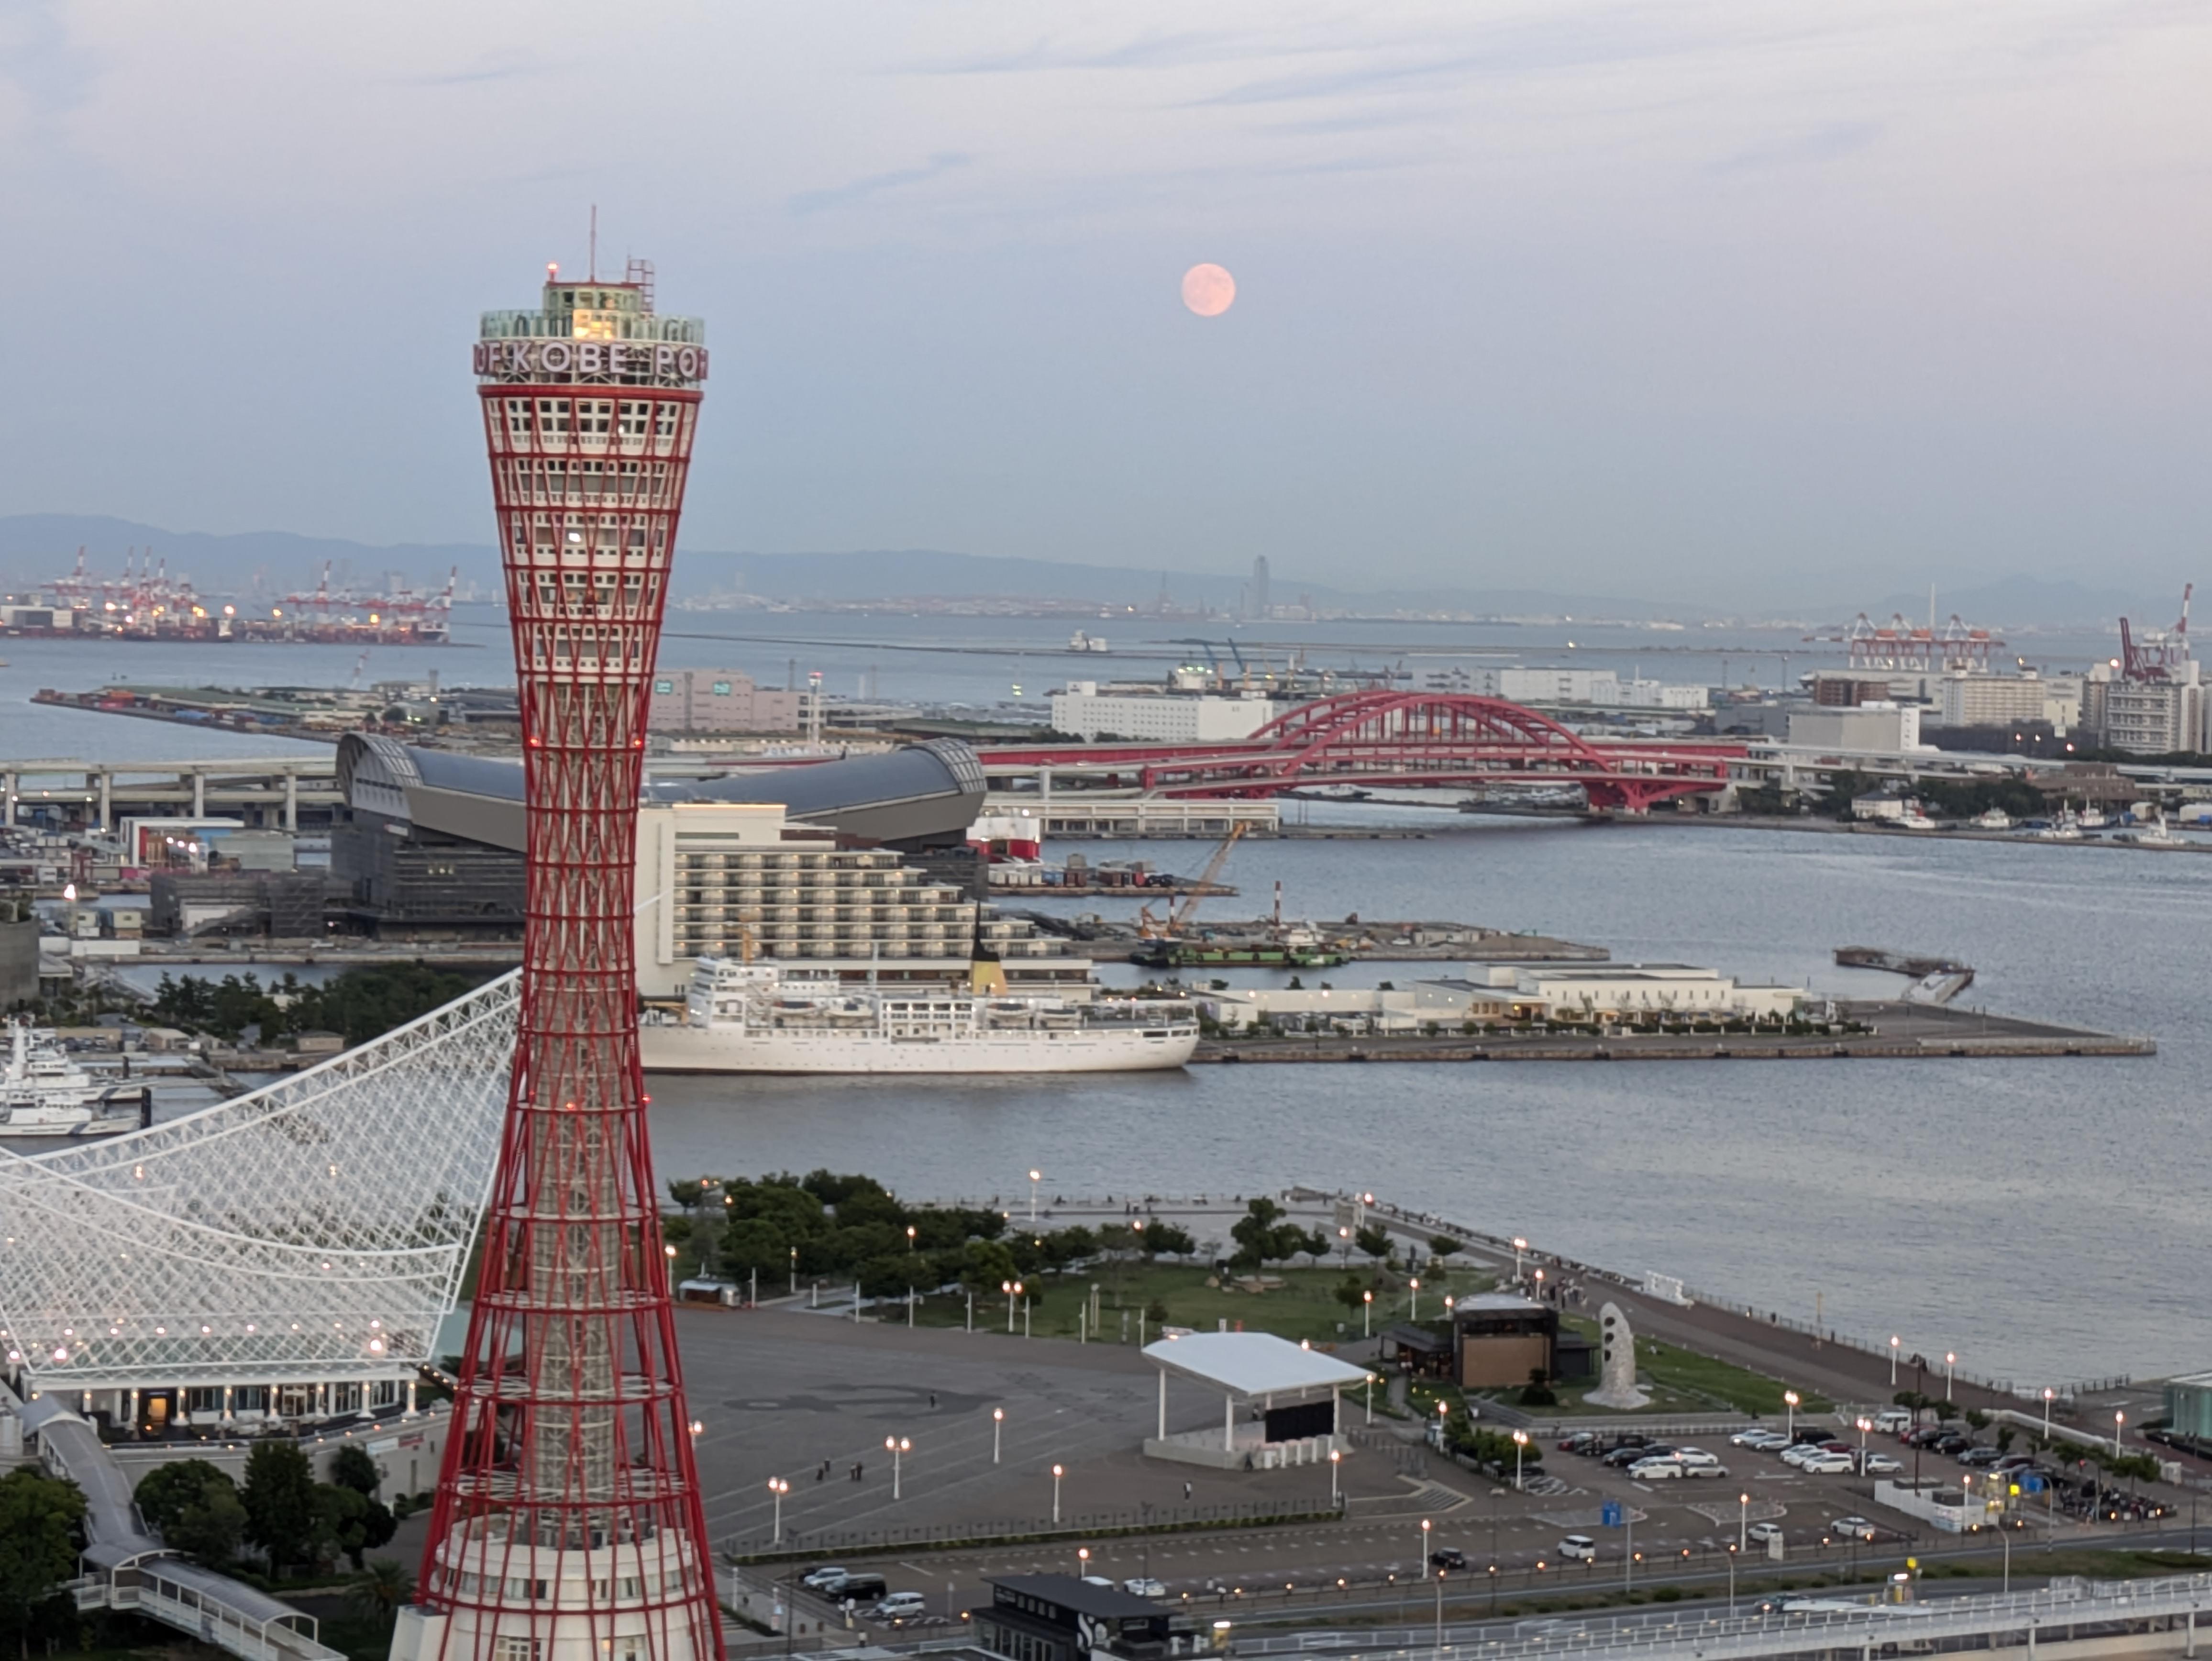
2045	1219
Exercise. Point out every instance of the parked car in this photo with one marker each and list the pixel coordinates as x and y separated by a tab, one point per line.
1826	1464
1656	1470
1979	1456
1752	1435
1696	1457
1621	1457
1581	1442
1951	1442
1763	1532
899	1606
1921	1436
1798	1452
857	1588
1853	1528
1892	1420
1448	1557
1768	1441
1143	1585
1578	1548
1880	1464
826	1575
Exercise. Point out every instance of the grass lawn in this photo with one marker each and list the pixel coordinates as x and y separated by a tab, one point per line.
1682	1381
1303	1307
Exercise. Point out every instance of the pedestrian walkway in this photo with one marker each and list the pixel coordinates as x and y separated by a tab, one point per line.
127	1567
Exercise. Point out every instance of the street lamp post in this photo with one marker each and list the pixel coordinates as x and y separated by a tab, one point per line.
1731	1557
779	1488
1013	1290
1865	1425
998	1423
1425	1526
1520	1446
1742	1521
1894	1340
1413	1308
2047	1395
1370	1398
1036	1177
2119	1424
1950	1366
1539	1286
1520	1245
1057	1473
795	1271
1336	1458
1366	1314
898	1447
1789	1400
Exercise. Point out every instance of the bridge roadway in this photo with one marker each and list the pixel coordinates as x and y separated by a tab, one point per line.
127	1567
1401	739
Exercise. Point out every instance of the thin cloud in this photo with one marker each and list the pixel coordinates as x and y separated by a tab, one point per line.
860	190
1824	143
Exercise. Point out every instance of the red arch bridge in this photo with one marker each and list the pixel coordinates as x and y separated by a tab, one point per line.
1394	738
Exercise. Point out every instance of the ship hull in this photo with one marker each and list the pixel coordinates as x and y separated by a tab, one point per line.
729	1049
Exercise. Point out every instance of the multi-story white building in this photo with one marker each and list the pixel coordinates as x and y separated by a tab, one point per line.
737	880
1599	688
1165	717
1882	729
1964	699
2152	717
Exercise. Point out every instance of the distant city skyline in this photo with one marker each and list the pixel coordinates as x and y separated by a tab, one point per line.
1592	298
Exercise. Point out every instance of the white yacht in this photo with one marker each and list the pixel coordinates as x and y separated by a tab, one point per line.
44	1092
1993	818
752	1018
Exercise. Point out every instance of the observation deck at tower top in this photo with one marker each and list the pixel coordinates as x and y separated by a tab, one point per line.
592	332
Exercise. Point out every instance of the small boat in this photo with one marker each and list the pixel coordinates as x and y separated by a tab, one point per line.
1913	819
2092	819
2154	833
2067	827
1993	818
44	1092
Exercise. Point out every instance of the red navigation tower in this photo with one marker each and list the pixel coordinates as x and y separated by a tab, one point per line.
569	1525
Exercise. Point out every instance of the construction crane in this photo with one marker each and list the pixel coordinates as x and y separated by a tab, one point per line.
1150	928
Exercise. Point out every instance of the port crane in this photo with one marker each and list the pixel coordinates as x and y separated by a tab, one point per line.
1150	928
2160	651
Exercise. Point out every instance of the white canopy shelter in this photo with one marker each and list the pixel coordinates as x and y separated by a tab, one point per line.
1262	1371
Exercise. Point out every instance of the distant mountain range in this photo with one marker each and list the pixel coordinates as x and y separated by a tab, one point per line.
37	548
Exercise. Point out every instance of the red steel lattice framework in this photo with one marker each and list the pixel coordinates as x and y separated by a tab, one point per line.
569	1525
1380	737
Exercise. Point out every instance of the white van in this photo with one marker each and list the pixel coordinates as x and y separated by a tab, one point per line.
1893	1419
900	1606
1579	1548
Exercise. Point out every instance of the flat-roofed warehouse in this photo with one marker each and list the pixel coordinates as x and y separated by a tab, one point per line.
846	869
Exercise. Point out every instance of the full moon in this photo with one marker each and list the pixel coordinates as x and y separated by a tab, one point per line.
1208	290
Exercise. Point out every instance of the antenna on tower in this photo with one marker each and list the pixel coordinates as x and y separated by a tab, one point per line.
593	276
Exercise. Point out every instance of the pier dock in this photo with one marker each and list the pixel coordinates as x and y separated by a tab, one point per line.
1895	1031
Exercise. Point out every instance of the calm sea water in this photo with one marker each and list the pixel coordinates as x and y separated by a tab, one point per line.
2045	1218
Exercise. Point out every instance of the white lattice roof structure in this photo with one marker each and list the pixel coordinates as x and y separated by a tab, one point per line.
314	1230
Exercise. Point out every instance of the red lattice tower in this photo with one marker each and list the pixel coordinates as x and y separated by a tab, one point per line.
569	1525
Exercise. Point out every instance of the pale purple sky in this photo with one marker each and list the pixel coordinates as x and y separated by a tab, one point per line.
1606	296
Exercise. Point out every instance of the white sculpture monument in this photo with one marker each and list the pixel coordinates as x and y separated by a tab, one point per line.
1617	1383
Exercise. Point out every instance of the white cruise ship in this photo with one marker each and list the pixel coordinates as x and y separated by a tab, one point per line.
43	1092
748	1017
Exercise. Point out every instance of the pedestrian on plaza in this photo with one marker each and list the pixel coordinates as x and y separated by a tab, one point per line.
1185	1490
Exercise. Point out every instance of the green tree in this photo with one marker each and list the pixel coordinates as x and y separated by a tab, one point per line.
353	1468
1444	1246
196	1507
1262	1237
384	1588
989	1265
1169	1240
347	1520
39	1518
1350	1292
280	1503
1374	1240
